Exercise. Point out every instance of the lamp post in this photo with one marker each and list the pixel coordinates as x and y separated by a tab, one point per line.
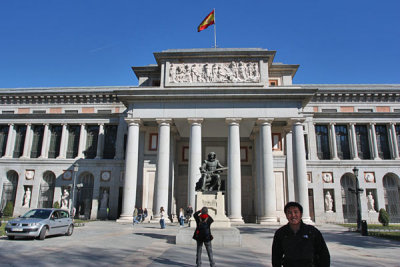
76	167
357	191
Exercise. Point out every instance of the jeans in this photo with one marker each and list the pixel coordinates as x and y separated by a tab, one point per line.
209	252
182	221
162	223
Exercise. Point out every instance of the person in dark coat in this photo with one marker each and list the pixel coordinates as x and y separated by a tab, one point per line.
202	234
297	244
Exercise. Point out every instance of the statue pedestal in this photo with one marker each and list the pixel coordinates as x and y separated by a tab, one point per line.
224	235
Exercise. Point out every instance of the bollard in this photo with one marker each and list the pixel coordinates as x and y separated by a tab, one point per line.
364	228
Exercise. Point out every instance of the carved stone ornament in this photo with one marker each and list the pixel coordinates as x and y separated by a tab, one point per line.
369	177
327	177
105	176
228	72
67	175
29	174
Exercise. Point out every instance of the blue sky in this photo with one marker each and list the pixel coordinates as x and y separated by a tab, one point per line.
46	43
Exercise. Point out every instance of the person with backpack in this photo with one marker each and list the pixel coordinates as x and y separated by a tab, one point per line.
202	234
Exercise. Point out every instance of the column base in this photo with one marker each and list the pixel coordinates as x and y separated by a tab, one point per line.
125	219
268	221
236	221
308	220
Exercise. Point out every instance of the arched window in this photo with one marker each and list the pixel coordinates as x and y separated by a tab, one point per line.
85	196
46	194
349	200
9	189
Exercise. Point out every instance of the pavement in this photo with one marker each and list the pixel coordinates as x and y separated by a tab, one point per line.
107	243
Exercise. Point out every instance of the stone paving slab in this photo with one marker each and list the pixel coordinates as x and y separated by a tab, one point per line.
107	243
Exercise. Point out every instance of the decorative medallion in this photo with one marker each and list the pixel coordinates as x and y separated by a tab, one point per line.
29	174
369	177
105	176
67	175
327	177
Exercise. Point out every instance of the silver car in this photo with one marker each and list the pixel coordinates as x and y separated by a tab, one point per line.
40	223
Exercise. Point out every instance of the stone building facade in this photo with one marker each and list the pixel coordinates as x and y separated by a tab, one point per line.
143	146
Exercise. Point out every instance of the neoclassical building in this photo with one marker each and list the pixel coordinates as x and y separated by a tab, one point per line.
143	145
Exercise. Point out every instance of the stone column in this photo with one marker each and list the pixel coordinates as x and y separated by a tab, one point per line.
28	142
332	135
82	141
45	144
162	172
64	141
300	169
10	141
353	141
234	172
194	158
373	142
289	161
268	199
100	142
119	146
131	171
313	141
394	141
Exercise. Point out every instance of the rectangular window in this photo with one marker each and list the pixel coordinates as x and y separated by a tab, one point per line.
329	110
365	110
19	140
55	141
71	111
276	142
38	111
362	142
153	142
3	139
91	141
74	132
321	132
7	112
342	141
104	111
382	141
243	154
37	140
110	138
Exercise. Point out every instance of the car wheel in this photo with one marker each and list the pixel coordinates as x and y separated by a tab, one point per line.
11	237
43	233
70	230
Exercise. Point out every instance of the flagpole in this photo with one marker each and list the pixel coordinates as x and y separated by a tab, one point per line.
215	31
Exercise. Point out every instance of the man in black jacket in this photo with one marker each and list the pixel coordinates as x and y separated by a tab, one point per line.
202	234
297	244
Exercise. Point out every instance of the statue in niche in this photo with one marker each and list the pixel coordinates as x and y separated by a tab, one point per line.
210	174
328	202
64	199
27	197
104	200
371	202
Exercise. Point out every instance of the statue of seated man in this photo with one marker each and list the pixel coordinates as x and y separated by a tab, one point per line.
210	179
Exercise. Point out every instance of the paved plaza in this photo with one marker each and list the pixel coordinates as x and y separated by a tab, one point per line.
107	243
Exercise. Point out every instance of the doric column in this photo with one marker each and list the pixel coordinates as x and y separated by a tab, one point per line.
44	153
373	142
162	173
353	142
10	141
268	214
395	148
100	142
332	135
28	142
234	173
119	145
82	141
64	141
194	158
300	169
313	141
289	161
131	171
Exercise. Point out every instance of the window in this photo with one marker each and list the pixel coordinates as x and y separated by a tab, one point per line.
3	139
37	140
382	141
276	142
7	112
104	111
362	142
110	137
365	110
397	127
153	143
73	141
19	140
71	111
39	111
91	141
321	132
342	141
273	82
329	110
55	141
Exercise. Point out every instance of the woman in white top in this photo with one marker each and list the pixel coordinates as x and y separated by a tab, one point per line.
162	217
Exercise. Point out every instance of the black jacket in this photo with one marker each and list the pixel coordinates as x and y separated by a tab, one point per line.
305	248
202	232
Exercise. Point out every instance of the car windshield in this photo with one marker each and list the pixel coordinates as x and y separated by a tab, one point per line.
38	214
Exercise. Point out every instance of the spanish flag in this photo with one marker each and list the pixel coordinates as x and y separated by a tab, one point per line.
209	20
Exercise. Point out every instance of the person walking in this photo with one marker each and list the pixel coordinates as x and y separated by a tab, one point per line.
189	212
202	235
297	244
181	217
134	215
162	218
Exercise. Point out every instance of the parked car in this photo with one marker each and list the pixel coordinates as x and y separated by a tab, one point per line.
40	223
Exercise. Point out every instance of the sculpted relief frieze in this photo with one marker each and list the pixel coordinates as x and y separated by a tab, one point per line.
228	72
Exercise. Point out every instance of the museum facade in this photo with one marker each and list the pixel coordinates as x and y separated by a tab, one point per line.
114	148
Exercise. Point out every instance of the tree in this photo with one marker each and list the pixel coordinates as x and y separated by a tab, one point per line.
383	217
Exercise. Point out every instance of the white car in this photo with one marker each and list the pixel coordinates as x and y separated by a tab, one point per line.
40	223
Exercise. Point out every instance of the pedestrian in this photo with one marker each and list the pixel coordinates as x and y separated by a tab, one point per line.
189	212
134	215
181	217
297	244
145	213
162	218
202	235
140	215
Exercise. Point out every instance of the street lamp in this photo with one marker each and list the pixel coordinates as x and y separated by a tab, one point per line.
76	167
357	191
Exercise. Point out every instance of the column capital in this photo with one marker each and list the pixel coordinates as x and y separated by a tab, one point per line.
162	121
82	123
263	121
332	123
233	120
101	123
11	124
133	121
195	120
46	124
299	120
352	123
372	123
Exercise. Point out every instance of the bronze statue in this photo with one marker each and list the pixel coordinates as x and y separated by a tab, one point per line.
210	179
